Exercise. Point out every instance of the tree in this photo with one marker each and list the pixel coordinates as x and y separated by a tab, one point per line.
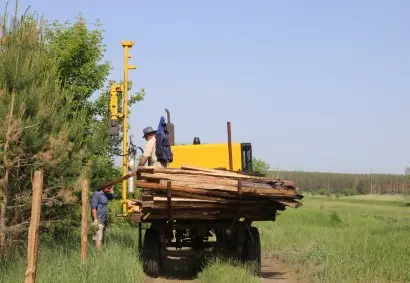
407	170
48	122
260	166
40	128
79	51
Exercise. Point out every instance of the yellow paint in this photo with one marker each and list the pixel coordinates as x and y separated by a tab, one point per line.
126	45
114	90
207	156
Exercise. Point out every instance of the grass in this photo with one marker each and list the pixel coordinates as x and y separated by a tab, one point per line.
226	271
118	262
346	239
339	239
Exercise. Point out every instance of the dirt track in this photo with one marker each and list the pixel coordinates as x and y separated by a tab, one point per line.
272	271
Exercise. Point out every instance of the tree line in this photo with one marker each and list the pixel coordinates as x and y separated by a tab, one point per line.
340	183
347	184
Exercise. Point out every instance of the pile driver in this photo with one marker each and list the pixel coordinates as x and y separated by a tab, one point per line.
228	156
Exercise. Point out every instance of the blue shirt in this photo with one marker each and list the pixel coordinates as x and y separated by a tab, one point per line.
99	200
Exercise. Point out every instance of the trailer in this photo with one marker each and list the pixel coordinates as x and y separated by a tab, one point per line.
235	237
191	211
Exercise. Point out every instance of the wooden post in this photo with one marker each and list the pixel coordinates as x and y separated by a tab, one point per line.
239	197
228	125
84	214
169	200
32	252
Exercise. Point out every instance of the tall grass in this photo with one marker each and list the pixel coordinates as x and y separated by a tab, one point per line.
343	240
218	270
60	262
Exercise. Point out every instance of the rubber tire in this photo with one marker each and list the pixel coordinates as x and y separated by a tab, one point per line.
252	250
151	253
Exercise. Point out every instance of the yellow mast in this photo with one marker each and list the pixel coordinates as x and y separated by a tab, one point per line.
126	45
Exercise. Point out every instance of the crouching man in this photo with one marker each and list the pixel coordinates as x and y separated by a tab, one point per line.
99	213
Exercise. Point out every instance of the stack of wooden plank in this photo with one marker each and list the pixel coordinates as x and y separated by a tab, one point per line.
197	193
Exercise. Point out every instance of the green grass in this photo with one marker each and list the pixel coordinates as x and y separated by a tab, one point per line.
117	262
345	239
226	271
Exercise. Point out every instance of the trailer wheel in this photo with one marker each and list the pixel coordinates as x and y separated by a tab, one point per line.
151	253
252	250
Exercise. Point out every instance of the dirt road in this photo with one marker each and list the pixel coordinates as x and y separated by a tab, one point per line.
272	271
275	271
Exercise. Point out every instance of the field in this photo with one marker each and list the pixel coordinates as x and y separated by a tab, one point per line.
346	239
350	239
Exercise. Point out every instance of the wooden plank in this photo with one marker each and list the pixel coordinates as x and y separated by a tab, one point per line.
178	199
214	186
247	192
207	215
209	206
169	200
210	180
250	202
206	172
222	173
32	251
200	197
180	189
84	219
239	197
147	197
290	203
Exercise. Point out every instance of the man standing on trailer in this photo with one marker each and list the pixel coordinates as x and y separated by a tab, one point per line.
99	213
150	149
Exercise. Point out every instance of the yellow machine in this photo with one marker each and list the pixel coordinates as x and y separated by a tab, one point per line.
213	156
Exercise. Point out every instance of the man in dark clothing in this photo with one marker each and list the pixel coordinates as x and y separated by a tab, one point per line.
99	212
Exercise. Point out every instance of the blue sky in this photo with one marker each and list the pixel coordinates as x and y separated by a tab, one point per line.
313	85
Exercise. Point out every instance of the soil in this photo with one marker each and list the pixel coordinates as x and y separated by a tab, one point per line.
185	270
275	271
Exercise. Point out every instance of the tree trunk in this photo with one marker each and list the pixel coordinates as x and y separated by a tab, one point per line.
5	182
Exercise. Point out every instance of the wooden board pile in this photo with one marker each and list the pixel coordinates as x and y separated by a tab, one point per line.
197	193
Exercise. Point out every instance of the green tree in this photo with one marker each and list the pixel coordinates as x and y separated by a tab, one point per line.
260	166
80	52
40	128
48	120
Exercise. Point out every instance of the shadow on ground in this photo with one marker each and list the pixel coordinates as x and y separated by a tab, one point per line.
187	268
181	268
273	275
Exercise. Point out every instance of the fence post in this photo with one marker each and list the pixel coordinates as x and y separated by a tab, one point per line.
30	276
84	217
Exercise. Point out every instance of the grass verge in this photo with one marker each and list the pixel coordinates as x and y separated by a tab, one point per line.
61	262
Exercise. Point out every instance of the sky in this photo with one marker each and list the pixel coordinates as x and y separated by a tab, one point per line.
313	85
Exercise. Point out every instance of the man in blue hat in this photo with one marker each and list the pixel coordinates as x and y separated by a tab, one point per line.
150	149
